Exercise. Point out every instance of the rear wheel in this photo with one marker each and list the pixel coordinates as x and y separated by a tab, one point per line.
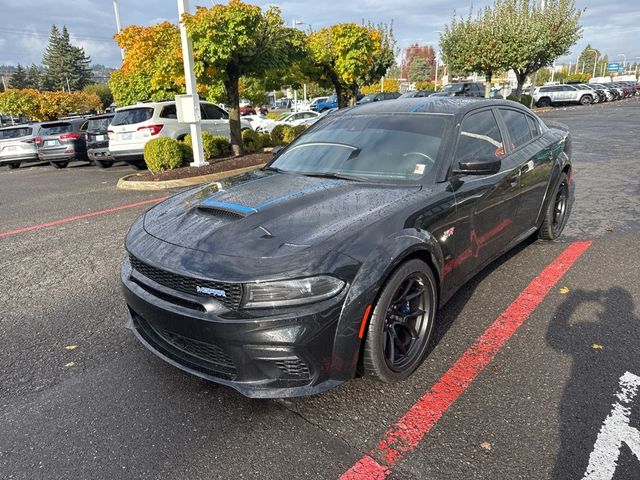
401	324
556	215
544	102
59	164
104	163
13	165
139	165
585	100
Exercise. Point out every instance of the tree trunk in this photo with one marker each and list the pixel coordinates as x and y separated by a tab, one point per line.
354	95
233	98
487	84
521	77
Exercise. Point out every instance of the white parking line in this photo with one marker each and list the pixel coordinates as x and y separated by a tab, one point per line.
614	432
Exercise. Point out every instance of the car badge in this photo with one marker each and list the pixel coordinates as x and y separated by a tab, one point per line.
214	292
447	233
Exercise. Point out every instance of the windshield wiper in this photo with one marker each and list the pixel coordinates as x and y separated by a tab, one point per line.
276	169
340	176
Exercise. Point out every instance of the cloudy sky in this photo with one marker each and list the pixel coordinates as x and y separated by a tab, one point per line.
612	27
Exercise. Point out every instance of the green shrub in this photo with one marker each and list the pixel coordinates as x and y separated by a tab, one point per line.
162	154
525	100
274	116
214	146
291	133
265	137
252	141
277	135
187	152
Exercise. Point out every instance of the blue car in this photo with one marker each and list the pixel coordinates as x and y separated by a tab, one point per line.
328	104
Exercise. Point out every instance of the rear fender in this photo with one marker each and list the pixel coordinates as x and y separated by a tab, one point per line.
365	288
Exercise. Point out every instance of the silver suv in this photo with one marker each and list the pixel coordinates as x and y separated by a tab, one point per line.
553	94
18	145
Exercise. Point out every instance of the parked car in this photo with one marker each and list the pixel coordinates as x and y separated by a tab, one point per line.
377	97
17	144
307	117
257	121
247	110
598	94
548	95
328	104
98	140
611	94
313	104
132	127
461	89
417	94
62	141
336	256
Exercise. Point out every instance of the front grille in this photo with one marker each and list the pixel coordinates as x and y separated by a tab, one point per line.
205	351
293	367
188	285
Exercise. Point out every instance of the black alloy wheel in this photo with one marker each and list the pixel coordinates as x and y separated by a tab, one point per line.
586	100
59	164
544	102
139	165
104	163
556	214
401	324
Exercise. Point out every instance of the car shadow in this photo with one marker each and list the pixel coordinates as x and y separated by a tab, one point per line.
603	345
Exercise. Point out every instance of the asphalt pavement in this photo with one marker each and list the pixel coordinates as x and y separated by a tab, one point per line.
80	398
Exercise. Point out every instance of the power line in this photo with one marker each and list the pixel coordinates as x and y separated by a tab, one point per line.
29	33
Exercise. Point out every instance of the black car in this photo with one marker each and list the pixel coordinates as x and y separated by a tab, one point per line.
417	94
378	97
461	89
62	141
334	258
98	140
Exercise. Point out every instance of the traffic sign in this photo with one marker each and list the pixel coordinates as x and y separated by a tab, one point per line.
614	67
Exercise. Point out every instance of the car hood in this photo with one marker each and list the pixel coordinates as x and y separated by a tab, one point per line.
267	214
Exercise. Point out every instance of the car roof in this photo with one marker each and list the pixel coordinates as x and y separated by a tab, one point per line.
442	105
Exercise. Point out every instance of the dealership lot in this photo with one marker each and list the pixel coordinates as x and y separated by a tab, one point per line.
109	409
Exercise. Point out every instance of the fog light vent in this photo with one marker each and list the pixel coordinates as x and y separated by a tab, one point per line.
293	367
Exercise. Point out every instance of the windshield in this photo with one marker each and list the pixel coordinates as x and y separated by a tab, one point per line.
132	115
368	98
15	132
453	87
56	128
374	147
99	124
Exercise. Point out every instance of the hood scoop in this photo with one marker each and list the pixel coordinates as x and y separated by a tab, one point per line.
225	210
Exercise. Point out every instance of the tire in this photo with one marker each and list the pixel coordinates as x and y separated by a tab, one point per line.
139	165
586	100
544	102
555	217
104	163
59	164
13	165
398	325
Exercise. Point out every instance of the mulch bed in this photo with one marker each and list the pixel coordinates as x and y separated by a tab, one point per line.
218	165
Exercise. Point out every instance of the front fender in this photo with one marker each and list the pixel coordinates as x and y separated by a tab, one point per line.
365	288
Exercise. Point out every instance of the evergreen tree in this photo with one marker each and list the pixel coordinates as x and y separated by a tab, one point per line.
33	77
66	67
419	70
19	78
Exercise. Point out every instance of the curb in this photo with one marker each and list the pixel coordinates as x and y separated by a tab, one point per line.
126	182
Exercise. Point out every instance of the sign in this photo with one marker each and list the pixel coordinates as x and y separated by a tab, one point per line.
614	67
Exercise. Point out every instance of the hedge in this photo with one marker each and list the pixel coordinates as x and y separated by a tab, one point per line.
215	146
525	100
164	153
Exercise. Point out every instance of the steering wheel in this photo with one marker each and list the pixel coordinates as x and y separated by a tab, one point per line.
431	160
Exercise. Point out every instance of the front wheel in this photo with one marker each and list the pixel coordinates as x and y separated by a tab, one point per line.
544	102
401	324
13	165
139	165
586	100
556	214
59	164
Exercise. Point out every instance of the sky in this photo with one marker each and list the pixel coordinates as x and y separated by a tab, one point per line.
611	27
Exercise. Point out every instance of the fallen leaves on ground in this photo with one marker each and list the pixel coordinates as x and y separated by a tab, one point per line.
564	290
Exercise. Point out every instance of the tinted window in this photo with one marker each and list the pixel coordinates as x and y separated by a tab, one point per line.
132	115
479	137
99	124
15	132
517	126
379	147
169	111
534	126
56	128
212	112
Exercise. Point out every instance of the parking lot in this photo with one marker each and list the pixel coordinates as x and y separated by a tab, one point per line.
80	398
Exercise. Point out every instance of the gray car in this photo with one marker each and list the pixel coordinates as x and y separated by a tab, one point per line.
553	94
17	144
63	141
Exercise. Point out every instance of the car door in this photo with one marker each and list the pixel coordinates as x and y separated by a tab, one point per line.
534	163
216	120
486	204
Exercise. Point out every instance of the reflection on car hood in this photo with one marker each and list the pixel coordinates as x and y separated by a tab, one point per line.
266	214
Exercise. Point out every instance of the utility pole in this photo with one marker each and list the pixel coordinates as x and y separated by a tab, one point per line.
595	61
117	12
192	91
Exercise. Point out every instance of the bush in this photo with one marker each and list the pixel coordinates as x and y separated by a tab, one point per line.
277	134
525	100
162	154
252	141
214	146
291	133
265	137
273	115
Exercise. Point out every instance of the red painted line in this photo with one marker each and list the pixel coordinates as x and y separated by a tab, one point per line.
79	217
407	433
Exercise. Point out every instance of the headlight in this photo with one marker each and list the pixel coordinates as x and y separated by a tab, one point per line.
291	292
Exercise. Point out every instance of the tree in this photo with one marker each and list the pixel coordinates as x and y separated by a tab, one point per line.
46	105
419	70
536	33
587	58
235	40
19	78
33	77
426	52
66	67
475	45
102	91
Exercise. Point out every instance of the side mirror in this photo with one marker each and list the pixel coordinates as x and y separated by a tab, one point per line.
277	149
479	166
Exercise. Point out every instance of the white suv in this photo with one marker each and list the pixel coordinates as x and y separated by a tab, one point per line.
133	126
548	95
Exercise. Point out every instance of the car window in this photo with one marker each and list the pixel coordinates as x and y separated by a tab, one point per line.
212	112
132	115
517	126
56	128
15	132
99	124
169	111
534	126
479	137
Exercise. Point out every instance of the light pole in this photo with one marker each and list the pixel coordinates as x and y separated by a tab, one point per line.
117	13
435	81
294	25
624	60
637	58
595	62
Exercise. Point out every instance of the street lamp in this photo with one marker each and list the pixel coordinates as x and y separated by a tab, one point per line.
595	62
435	82
117	12
624	60
294	25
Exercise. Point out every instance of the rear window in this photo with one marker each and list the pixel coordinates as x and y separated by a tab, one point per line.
56	128
99	124
15	132
132	115
518	127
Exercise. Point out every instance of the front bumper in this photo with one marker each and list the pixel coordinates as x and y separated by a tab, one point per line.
261	353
